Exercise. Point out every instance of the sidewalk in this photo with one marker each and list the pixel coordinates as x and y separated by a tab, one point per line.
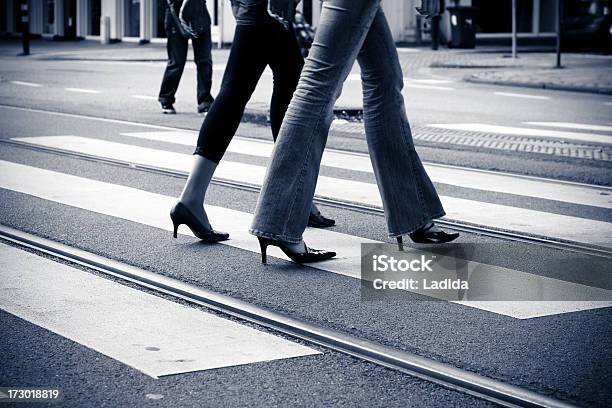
581	72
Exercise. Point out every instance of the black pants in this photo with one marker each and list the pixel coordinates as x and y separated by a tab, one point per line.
177	46
254	48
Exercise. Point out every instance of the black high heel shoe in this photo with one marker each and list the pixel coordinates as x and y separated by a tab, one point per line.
309	255
180	214
319	221
426	236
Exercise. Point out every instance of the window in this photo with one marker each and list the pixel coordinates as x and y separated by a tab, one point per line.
496	16
48	16
548	16
160	13
94	14
131	18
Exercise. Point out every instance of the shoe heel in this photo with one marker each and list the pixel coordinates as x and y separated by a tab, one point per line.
263	246
400	243
175	233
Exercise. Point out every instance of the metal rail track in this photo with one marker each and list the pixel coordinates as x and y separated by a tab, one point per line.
429	370
454	224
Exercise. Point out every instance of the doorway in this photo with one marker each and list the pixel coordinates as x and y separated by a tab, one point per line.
70	19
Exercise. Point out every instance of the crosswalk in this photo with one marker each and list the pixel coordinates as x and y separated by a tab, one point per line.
573	193
151	209
124	323
153	335
497	216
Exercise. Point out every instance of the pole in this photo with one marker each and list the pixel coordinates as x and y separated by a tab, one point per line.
559	30
25	27
220	17
513	28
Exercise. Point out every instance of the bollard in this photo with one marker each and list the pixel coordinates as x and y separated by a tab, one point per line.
25	27
104	30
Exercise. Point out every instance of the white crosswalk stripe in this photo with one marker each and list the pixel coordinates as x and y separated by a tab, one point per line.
152	210
481	213
525	96
461	177
568	125
527	132
30	84
151	334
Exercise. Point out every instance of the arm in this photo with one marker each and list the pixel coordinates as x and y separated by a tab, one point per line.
429	8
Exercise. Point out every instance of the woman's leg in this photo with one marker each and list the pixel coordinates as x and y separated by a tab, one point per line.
286	62
409	197
284	203
245	65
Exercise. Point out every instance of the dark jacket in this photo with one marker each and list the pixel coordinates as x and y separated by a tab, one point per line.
283	11
258	12
251	12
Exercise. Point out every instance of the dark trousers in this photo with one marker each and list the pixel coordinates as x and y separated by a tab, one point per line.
254	48
435	31
177	46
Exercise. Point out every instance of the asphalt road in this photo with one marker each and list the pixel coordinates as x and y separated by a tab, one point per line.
566	356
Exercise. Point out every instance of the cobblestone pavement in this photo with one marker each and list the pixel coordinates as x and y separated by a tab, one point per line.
580	72
481	140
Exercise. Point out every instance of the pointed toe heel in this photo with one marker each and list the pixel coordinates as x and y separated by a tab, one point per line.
427	236
263	246
400	243
180	214
309	254
319	221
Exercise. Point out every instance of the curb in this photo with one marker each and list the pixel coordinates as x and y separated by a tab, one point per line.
255	116
52	58
540	85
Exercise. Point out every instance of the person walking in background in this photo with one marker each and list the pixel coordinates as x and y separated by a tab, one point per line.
177	46
435	25
347	30
259	40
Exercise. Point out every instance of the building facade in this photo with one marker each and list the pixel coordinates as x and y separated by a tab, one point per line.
142	20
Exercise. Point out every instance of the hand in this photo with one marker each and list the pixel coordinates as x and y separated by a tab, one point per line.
429	8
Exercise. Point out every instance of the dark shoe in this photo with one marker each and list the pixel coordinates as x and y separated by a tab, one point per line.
426	236
319	221
309	254
168	109
180	214
205	106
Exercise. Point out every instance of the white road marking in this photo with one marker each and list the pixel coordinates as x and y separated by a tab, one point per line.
460	177
94	118
151	334
152	210
432	81
474	212
408	50
30	84
147	97
608	103
409	84
413	83
82	90
528	132
526	96
567	125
